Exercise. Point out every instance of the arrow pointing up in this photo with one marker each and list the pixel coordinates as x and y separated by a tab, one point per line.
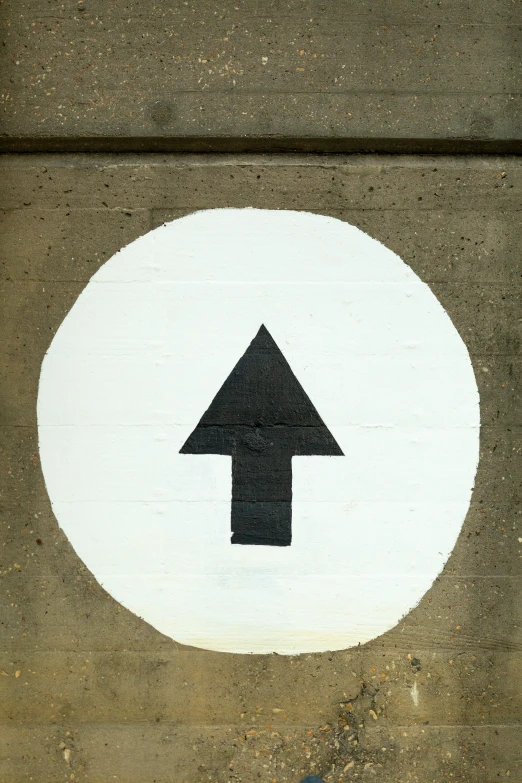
262	417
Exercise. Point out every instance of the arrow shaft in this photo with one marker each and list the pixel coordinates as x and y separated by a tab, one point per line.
261	500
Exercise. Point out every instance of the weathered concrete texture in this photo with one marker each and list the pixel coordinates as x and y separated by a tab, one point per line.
306	75
91	691
115	753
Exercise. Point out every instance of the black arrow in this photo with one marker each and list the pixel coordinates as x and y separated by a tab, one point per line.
262	417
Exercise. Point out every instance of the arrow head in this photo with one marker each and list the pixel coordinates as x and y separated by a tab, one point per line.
262	407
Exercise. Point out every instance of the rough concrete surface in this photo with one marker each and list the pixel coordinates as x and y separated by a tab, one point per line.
91	692
348	74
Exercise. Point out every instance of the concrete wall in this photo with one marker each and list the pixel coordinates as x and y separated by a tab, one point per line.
379	75
89	691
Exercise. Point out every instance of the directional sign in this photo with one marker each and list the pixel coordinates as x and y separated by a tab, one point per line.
262	417
259	430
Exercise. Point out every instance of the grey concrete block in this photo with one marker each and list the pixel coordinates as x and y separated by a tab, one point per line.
436	754
486	317
64	245
448	245
499	388
97	752
488	544
158	75
99	686
500	465
426	753
313	183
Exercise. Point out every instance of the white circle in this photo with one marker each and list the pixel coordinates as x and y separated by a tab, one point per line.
142	354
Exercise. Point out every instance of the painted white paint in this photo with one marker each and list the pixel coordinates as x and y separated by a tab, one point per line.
414	693
142	354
